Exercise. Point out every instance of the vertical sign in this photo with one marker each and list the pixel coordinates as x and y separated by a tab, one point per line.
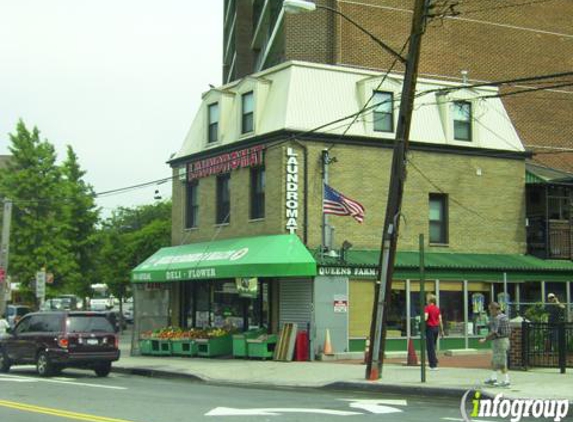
41	285
291	191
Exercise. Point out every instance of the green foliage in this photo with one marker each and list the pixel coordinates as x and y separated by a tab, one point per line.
127	238
536	313
49	223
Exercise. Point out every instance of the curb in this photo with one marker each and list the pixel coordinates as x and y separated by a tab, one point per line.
155	373
398	389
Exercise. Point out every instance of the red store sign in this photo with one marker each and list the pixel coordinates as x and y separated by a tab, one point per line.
224	163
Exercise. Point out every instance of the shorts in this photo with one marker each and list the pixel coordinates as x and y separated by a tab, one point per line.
500	348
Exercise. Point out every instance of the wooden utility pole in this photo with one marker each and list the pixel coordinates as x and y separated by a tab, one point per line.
385	271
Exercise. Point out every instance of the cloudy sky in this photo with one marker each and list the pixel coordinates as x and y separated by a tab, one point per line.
119	80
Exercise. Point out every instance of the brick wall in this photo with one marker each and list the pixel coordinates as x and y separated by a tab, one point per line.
515	351
361	172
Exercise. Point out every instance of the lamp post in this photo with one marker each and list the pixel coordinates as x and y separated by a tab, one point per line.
383	286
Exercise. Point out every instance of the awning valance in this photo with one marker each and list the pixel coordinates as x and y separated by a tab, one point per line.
262	256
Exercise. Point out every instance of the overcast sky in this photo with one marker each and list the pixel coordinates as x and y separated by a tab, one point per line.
119	80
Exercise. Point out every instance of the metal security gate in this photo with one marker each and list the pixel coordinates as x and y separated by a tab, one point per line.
295	302
547	345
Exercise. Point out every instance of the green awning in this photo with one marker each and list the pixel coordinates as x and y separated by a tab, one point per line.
457	266
262	256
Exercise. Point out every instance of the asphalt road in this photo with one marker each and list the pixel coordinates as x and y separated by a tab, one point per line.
79	395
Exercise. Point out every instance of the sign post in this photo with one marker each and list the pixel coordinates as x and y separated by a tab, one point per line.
41	285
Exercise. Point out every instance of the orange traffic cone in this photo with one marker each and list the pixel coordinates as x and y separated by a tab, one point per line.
412	357
327	349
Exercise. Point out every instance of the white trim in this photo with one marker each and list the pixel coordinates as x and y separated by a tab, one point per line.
264	12
466	314
231	36
408	310
271	40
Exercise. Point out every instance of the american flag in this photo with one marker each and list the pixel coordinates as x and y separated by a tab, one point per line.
336	203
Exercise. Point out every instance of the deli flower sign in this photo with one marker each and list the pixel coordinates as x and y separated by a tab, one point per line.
261	256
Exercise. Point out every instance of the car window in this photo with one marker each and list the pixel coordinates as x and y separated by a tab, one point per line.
36	324
11	311
89	324
22	311
23	326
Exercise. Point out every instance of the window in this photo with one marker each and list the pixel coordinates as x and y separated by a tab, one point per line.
192	205
213	116
462	121
438	218
247	112
257	192
223	199
384	112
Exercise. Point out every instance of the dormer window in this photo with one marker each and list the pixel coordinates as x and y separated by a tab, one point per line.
383	115
462	111
247	112
213	117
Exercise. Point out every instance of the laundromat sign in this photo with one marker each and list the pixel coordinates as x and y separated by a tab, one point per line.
357	272
224	163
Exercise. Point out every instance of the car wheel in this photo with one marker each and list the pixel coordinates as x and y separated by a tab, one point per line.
103	369
44	365
4	362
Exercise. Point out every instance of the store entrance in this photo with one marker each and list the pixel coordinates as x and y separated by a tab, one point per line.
239	304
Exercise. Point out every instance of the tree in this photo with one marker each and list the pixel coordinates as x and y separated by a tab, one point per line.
82	215
32	180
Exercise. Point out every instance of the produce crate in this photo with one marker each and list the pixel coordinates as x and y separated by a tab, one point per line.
216	346
183	347
261	347
160	347
240	341
145	346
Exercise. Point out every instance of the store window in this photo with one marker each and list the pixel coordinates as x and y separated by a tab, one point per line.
452	308
462	111
416	310
257	192
383	114
247	112
191	205
479	298
438	218
396	317
223	207
213	117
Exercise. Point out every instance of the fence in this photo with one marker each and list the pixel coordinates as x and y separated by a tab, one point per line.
547	345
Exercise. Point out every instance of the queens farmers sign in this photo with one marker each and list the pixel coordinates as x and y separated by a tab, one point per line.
291	191
224	163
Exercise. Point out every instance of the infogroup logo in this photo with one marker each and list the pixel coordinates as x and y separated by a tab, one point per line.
512	409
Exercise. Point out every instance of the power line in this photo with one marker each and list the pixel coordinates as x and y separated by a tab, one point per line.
506	6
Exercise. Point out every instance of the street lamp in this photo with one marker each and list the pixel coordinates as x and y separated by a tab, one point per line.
397	174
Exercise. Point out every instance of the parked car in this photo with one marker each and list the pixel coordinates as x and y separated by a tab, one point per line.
15	312
62	303
60	339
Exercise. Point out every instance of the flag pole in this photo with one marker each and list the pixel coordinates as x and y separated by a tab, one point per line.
325	160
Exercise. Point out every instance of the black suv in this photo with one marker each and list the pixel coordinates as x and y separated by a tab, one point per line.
56	340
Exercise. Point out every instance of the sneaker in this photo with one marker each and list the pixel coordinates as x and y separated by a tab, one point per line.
502	384
433	368
490	381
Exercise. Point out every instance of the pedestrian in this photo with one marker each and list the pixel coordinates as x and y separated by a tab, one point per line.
499	331
434	327
4	325
555	314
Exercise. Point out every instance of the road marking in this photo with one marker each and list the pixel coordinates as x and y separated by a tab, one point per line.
377	406
57	412
462	420
229	411
20	378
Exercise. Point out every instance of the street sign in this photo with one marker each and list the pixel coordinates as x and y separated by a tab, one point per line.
41	284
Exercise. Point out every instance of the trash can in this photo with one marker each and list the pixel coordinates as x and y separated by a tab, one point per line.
301	352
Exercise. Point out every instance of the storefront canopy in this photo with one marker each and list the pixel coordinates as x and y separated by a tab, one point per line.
454	266
263	256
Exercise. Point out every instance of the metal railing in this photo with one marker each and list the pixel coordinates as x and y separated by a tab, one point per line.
547	345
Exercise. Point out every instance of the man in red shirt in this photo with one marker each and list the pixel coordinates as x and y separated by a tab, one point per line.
434	327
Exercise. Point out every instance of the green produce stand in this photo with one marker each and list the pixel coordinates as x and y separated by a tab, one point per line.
240	341
183	347
145	346
261	347
160	347
216	346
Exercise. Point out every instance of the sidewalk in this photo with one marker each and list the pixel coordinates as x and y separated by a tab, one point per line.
453	381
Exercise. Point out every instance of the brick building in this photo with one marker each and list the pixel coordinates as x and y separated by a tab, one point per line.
250	171
489	39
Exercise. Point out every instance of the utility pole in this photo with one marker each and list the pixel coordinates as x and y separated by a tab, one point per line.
4	250
383	286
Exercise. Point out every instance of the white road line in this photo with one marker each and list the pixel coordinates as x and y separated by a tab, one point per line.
229	411
59	381
461	420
